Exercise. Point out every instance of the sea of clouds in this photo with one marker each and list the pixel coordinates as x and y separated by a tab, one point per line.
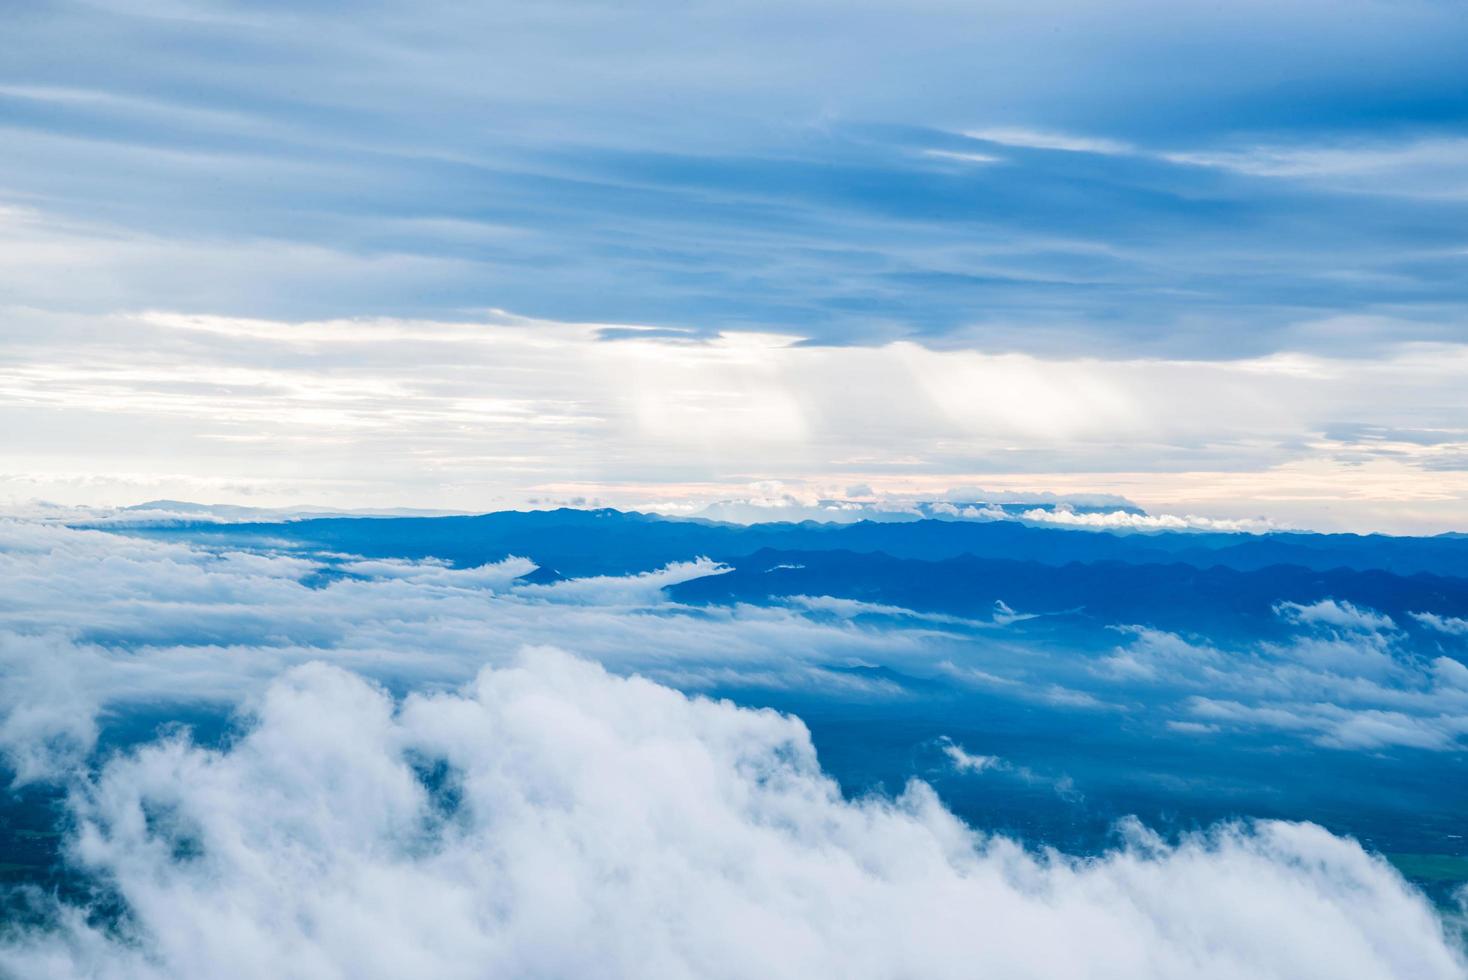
449	772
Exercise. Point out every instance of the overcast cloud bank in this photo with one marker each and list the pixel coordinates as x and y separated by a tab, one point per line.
491	411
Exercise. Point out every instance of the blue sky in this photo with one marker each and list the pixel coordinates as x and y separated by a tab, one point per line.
1115	182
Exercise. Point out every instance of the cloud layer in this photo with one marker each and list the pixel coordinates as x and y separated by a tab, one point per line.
552	820
94	623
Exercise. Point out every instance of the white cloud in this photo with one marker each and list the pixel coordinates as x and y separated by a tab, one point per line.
959	157
1329	612
1348	682
1419	167
788	506
641	589
970	763
1337	727
1450	672
589	825
48	708
965	761
1039	139
852	608
1452	625
492	575
1127	520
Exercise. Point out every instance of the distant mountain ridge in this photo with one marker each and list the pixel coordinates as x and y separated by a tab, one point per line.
598	542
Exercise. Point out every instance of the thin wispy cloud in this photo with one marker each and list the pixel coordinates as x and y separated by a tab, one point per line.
1130	172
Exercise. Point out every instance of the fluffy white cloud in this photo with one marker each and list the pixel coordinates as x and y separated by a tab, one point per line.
48	709
1342	615
552	820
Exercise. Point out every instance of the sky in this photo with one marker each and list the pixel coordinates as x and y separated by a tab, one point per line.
1127	265
465	256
